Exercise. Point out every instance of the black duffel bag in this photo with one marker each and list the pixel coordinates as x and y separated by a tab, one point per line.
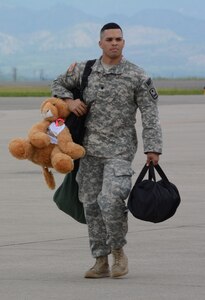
151	200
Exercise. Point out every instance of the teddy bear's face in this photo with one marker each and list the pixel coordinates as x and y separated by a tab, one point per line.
54	108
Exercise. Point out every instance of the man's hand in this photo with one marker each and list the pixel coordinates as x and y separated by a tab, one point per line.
152	157
78	107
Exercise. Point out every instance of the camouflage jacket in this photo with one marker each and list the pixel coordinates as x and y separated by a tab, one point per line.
113	97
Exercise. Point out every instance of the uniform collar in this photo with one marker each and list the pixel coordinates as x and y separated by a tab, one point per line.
116	69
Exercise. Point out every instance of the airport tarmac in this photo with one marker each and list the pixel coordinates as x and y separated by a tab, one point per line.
44	253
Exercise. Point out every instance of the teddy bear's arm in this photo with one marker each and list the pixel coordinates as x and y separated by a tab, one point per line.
38	134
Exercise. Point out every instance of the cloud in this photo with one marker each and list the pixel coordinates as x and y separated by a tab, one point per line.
9	44
141	35
198	60
80	36
81	39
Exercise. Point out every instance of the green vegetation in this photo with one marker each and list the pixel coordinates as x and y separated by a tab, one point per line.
24	91
44	91
174	91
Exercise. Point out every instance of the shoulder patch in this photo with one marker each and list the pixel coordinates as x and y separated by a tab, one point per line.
153	93
71	67
151	89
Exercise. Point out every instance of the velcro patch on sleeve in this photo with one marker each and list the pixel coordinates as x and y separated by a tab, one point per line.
152	91
148	82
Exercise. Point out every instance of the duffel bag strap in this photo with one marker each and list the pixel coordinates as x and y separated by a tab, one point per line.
161	173
151	168
144	171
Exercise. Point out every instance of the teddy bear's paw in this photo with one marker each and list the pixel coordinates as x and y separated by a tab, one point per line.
62	163
40	140
20	148
75	151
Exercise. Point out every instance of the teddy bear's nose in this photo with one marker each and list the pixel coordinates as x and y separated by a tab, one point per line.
47	114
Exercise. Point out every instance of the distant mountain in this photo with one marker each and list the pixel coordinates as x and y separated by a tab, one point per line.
44	43
187	27
19	20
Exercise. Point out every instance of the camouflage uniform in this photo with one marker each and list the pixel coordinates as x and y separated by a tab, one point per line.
104	177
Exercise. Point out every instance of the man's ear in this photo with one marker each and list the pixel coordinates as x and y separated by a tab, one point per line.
99	43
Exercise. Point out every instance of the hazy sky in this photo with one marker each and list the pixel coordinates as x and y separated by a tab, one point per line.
194	8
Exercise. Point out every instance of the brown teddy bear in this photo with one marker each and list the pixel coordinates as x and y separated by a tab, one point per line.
49	143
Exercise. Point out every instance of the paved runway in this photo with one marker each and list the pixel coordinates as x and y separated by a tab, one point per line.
44	253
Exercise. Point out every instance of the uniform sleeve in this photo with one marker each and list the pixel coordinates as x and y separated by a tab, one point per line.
147	101
63	85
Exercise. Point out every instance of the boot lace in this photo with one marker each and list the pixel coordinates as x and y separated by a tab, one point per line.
118	254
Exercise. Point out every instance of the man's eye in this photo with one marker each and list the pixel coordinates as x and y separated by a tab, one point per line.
111	39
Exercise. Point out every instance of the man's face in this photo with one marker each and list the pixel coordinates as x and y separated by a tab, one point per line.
112	43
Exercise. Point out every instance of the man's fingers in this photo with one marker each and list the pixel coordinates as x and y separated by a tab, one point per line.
80	110
78	107
152	157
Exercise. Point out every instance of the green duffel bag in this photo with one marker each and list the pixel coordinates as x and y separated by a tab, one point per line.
66	196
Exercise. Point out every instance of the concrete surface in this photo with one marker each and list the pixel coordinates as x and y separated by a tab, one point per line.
44	253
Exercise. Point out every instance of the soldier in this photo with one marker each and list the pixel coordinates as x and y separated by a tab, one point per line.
116	89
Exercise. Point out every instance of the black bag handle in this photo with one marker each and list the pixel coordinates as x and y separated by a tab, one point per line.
151	172
151	168
142	173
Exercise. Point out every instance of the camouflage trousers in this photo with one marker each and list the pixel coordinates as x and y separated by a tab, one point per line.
104	185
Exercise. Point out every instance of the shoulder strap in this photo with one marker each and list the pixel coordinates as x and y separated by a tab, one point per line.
86	73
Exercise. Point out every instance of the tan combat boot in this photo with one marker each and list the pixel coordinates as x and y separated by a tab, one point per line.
100	269
120	263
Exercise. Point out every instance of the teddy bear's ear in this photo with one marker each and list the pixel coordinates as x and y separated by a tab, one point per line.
51	100
43	103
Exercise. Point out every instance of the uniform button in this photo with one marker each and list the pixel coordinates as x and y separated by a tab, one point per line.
102	87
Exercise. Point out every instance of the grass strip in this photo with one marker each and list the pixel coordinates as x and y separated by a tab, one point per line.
45	91
25	91
180	91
